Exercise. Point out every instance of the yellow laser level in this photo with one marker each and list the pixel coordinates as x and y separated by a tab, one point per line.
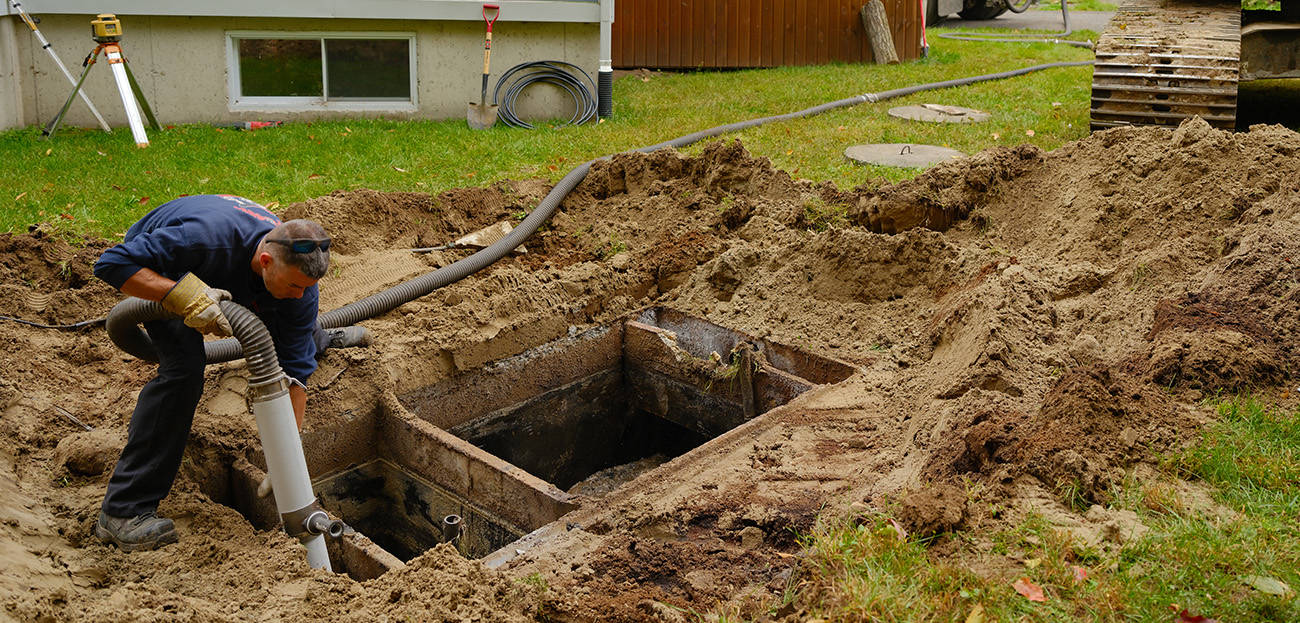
106	28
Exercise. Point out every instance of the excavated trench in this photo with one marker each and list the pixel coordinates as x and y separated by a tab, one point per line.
506	450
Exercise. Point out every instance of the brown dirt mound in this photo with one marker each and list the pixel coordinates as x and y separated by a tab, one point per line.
1053	319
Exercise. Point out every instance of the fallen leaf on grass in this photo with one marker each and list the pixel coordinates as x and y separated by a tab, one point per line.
399	169
49	151
996	136
144	199
1080	574
273	205
314	176
20	195
898	529
1267	585
1029	132
976	614
1187	617
1033	563
1029	590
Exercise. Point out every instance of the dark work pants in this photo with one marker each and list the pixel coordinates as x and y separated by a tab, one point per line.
160	425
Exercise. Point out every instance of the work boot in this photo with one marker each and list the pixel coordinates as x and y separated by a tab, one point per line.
344	337
142	532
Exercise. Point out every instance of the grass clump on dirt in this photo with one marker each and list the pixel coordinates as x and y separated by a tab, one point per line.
1238	560
92	183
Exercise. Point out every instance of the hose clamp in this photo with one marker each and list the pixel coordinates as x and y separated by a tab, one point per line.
268	390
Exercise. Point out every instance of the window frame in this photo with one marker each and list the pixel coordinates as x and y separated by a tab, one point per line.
240	102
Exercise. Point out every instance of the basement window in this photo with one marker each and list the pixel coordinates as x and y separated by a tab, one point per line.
313	71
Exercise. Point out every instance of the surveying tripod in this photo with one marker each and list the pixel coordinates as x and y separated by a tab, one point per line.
106	30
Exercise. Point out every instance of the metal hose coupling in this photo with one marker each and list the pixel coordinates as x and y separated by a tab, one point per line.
310	521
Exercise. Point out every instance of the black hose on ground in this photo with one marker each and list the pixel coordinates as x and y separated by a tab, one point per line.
405	292
76	325
1051	37
566	76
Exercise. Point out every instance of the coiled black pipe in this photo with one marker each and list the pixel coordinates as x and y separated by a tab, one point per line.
405	292
123	327
566	76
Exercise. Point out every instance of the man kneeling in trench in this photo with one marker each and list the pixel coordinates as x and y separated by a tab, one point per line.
189	254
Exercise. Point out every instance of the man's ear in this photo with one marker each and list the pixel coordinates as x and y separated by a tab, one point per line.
264	259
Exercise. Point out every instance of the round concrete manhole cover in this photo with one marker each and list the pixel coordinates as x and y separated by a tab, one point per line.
901	154
938	113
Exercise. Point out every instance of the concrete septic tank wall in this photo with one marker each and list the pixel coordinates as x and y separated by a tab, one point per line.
587	412
389	471
645	387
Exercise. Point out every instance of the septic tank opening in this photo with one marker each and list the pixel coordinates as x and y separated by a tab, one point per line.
637	392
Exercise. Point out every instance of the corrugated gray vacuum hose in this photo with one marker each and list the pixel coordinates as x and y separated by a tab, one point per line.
268	391
123	327
402	293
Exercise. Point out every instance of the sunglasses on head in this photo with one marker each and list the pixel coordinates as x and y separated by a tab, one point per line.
305	245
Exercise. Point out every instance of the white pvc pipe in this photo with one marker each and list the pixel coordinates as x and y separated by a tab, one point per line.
128	97
606	60
288	467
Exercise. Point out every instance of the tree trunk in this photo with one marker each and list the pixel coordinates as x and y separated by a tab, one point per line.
877	25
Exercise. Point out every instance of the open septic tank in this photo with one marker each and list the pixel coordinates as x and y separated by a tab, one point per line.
486	457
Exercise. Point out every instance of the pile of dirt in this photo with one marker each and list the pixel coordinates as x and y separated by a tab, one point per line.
1020	319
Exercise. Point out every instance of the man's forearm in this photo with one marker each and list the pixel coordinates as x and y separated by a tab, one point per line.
148	285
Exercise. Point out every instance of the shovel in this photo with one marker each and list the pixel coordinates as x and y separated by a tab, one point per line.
481	115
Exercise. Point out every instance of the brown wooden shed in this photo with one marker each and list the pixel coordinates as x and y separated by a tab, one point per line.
712	34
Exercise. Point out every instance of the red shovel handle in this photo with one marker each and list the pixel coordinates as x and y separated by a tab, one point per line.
496	12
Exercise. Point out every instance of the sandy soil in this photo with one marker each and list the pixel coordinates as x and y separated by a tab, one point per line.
1021	320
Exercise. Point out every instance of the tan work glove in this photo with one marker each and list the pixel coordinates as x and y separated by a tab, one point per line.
194	301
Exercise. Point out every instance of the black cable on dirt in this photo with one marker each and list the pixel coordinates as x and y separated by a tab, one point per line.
405	292
76	325
1051	37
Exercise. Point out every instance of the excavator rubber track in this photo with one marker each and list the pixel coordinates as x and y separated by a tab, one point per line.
1162	61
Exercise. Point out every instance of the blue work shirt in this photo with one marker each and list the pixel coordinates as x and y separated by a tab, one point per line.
214	237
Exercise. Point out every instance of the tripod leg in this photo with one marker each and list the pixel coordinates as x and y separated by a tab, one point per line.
45	45
114	54
139	96
54	123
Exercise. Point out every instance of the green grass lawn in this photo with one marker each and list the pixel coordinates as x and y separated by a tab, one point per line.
92	183
1241	564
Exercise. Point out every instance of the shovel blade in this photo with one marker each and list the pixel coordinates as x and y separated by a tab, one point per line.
481	116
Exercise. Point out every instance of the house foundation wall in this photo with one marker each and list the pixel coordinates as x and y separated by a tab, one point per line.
11	103
182	66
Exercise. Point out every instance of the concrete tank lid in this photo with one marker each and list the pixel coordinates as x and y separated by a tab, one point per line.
901	154
939	113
